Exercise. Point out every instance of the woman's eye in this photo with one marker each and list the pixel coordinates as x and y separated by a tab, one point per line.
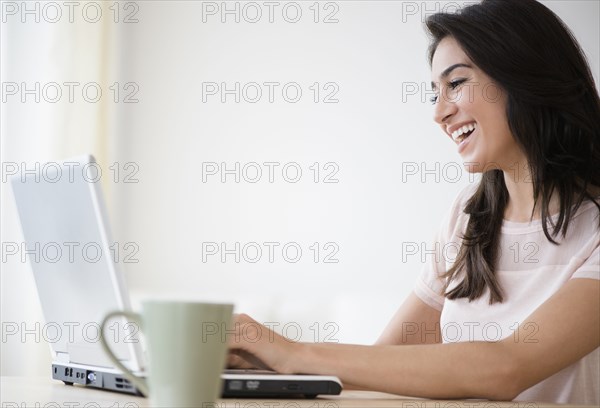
433	99
454	84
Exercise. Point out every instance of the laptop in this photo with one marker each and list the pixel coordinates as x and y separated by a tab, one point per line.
76	270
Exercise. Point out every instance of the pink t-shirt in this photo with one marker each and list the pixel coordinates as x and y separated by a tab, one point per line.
530	270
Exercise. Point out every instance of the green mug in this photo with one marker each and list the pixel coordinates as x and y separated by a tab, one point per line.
187	349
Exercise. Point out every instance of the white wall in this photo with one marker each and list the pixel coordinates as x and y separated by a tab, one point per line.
368	134
373	135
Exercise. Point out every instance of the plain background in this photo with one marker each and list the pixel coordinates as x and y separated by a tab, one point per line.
396	172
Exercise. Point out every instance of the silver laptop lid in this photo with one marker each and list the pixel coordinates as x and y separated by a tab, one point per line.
68	245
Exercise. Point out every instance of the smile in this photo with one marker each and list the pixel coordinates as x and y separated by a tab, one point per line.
461	134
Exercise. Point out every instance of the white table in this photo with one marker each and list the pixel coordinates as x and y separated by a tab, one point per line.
42	392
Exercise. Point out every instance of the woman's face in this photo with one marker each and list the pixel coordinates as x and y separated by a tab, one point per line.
469	102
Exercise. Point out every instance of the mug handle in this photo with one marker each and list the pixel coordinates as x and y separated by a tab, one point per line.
139	382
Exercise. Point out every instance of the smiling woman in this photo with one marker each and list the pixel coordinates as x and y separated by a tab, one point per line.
537	141
516	305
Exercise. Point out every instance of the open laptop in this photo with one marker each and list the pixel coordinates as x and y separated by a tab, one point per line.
76	271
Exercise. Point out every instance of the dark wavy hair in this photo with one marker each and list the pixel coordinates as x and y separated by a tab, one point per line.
553	112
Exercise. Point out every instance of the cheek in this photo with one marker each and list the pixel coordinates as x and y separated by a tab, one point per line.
502	136
495	123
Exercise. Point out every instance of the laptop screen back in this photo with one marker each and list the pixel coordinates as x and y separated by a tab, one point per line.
68	246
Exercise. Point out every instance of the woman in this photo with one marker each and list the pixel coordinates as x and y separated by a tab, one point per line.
514	312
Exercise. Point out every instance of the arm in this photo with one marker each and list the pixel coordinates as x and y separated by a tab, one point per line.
413	323
405	327
568	325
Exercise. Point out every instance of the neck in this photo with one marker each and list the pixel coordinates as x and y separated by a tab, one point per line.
520	195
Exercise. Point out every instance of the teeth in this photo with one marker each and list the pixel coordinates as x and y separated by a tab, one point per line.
466	128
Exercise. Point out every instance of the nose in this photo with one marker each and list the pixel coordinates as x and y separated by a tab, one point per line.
444	109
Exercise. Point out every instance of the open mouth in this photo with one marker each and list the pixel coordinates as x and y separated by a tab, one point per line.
462	137
464	132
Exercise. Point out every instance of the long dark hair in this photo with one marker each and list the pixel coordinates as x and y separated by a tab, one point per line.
553	112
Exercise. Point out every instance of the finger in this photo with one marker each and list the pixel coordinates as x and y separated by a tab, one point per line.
242	318
236	361
245	359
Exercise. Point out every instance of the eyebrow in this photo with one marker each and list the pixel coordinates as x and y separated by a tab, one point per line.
448	70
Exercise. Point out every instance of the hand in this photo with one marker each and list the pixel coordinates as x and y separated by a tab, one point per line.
253	345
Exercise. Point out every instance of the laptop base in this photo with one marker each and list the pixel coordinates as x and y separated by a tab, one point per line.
236	383
106	380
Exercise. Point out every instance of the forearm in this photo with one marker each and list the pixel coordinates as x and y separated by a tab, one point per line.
458	370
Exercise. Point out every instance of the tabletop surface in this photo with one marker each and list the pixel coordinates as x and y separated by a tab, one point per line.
43	392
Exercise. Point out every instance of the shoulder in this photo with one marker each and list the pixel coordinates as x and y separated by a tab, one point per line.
589	211
463	196
584	226
457	215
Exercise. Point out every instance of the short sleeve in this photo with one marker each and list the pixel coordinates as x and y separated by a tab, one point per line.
430	286
591	267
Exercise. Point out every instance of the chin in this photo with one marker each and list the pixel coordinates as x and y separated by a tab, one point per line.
478	166
473	166
473	169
